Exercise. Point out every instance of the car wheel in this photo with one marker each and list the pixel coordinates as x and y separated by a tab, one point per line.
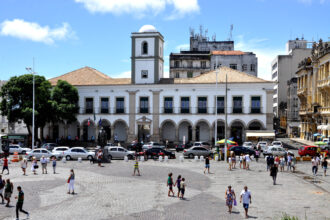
110	157
130	157
23	152
89	157
68	157
190	155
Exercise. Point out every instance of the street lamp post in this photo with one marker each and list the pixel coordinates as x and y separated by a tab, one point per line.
216	110
31	70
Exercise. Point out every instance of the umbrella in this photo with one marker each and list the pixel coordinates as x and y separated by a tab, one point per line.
320	143
317	134
228	142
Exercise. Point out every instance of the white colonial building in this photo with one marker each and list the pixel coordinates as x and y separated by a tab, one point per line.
149	106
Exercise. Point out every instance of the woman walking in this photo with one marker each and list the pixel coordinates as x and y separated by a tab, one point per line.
170	184
8	191
230	198
34	166
54	164
178	184
24	166
71	181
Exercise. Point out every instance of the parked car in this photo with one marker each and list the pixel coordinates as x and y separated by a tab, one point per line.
275	151
181	147
60	150
135	146
76	152
120	153
16	148
39	152
151	145
197	151
155	152
49	146
202	144
238	150
248	145
277	144
308	151
262	145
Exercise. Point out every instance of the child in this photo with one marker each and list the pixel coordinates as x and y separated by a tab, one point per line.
136	167
170	184
54	164
229	162
183	187
178	184
240	161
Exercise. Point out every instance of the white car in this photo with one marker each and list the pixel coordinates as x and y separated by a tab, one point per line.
39	152
277	143
151	145
275	151
16	148
248	145
76	152
60	150
120	153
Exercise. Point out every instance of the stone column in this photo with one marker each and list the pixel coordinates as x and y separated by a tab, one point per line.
177	135
193	133
131	119
211	134
81	132
269	109
155	116
112	129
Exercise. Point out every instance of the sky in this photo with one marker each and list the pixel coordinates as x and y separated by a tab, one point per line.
65	35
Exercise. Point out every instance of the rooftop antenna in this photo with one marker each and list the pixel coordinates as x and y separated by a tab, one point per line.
214	37
302	37
230	38
192	32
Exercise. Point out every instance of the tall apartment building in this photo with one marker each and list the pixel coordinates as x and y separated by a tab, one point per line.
314	92
292	112
283	69
205	55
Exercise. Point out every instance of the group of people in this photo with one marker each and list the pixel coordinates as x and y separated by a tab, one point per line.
6	191
244	161
179	183
245	198
316	161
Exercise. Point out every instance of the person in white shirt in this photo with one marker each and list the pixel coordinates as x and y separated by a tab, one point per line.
247	160
247	199
43	162
315	164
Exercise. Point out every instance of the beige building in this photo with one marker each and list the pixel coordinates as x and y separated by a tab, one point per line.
313	91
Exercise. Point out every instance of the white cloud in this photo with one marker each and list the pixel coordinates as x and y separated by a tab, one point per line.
140	7
182	47
309	2
126	74
33	31
264	53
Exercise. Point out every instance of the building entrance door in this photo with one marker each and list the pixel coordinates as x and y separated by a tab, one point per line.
144	133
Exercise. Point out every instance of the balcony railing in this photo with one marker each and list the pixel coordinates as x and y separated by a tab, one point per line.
323	82
104	110
88	111
324	110
301	90
190	67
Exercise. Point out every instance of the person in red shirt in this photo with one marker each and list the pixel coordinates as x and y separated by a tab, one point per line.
5	165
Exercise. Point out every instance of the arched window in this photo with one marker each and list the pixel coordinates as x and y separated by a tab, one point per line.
144	48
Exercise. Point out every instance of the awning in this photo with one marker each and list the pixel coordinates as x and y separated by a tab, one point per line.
326	128
319	127
260	134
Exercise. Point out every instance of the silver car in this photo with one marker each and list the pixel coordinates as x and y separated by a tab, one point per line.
16	148
275	151
78	152
151	145
197	151
39	152
120	153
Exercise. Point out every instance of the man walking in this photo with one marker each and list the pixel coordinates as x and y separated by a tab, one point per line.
20	201
273	173
8	191
247	199
5	166
315	164
43	162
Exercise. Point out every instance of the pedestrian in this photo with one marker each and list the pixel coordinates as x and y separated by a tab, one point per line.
247	161
178	184
247	199
233	159
325	166
20	201
240	161
230	162
99	157
34	165
2	186
207	164
230	198
182	187
71	181
289	162
282	163
257	155
54	164
5	165
244	161
315	164
43	162
136	167
286	153
8	191
24	166
277	161
273	173
293	163
170	184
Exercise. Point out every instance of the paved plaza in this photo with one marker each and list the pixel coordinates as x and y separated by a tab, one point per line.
111	192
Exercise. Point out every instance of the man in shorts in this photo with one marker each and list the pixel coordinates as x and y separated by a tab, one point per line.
207	164
247	199
8	191
5	166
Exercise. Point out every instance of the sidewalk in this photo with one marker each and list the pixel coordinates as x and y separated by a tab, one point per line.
302	141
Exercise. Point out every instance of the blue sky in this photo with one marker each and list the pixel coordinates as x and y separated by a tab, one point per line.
65	35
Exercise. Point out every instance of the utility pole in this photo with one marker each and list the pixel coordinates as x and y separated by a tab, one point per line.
31	70
226	109
216	110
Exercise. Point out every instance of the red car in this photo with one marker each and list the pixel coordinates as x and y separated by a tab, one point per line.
308	151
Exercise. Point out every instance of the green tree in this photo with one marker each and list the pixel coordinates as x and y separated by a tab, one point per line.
17	102
65	102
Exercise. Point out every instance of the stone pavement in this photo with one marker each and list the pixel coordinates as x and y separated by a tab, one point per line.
111	192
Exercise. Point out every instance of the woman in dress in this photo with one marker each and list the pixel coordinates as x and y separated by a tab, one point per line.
34	165
230	197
